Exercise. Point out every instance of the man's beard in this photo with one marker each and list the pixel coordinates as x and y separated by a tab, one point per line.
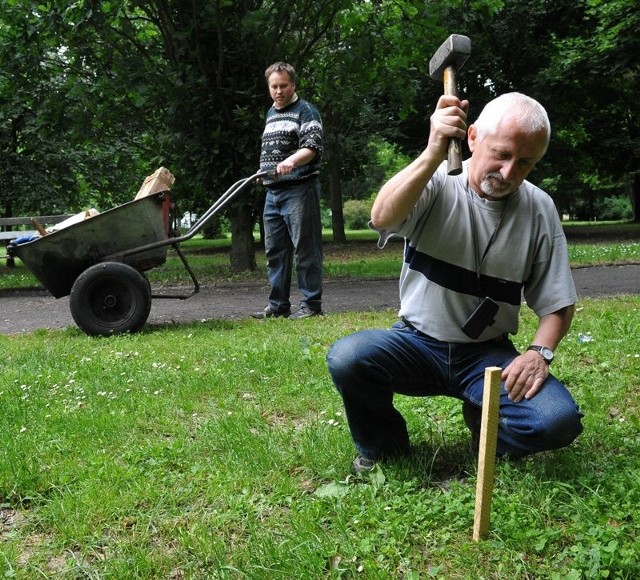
495	187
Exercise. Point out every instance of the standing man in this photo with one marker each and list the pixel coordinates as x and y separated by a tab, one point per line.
474	245
291	148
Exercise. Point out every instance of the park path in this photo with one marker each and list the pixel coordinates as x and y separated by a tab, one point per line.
28	311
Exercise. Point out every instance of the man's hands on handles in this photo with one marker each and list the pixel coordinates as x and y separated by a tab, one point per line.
300	157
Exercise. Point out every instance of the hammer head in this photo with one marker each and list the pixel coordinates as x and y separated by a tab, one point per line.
453	51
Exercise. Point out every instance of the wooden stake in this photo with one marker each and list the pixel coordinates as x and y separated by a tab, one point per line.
487	451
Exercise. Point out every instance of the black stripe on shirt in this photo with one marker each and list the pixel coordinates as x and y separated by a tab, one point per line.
461	280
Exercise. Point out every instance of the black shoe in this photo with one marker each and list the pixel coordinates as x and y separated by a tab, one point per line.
305	312
362	465
269	312
472	416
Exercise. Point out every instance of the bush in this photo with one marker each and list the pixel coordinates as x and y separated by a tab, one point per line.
615	208
594	208
357	213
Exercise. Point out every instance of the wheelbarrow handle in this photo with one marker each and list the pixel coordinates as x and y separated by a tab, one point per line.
223	200
270	173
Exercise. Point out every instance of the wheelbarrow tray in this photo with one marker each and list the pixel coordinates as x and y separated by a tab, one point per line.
57	259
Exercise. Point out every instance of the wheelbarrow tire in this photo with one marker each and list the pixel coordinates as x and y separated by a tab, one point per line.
110	298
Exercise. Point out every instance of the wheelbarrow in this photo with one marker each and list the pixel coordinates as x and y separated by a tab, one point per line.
100	263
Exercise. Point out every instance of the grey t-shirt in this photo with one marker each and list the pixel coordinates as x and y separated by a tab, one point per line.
460	248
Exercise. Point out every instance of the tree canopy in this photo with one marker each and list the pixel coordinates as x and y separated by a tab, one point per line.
95	95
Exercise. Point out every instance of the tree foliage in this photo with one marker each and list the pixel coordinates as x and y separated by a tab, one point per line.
219	52
577	59
96	94
69	133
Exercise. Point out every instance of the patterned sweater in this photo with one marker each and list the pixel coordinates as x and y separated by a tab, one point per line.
296	126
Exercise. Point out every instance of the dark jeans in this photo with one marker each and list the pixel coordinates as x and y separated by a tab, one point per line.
293	230
371	366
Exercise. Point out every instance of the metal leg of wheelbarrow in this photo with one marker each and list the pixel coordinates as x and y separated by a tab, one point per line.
196	285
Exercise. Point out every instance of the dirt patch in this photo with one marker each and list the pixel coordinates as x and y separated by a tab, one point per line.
9	520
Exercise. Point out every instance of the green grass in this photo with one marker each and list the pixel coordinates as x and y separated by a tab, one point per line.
220	450
604	254
360	257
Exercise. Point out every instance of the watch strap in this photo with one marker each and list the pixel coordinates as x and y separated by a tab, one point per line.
545	352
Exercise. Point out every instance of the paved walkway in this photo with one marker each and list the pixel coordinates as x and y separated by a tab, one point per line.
29	311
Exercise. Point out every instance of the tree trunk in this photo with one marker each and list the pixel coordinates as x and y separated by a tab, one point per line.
335	198
635	196
332	155
243	253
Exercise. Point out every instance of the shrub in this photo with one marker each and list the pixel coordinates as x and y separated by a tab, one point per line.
615	208
357	213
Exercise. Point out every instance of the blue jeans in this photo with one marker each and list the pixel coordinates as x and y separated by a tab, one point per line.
369	367
293	229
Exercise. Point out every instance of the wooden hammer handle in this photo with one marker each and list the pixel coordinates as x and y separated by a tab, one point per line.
454	158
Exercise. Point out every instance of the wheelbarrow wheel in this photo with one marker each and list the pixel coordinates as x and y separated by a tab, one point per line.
110	298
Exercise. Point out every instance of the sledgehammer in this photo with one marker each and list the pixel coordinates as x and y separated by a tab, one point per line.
443	66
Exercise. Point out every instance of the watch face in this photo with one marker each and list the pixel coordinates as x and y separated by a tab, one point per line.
546	353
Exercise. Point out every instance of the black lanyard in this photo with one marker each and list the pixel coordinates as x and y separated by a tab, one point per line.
479	260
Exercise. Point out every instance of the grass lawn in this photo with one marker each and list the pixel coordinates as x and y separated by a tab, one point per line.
220	450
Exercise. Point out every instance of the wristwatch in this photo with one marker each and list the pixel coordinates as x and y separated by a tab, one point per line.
545	353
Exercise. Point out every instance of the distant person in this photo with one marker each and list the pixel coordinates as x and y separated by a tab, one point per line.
475	243
292	148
